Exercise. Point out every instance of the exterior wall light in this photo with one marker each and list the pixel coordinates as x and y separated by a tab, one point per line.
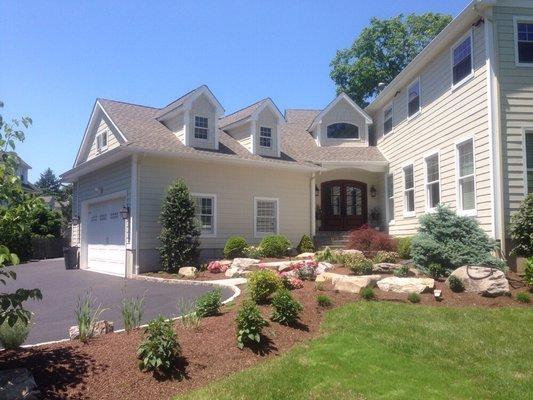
317	190
76	220
125	212
373	191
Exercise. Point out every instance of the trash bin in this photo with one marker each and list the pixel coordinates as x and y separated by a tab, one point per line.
71	257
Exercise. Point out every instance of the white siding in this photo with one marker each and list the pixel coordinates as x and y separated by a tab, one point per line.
243	134
343	112
202	107
112	140
267	119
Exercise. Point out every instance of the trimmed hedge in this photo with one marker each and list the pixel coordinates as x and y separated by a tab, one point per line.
235	247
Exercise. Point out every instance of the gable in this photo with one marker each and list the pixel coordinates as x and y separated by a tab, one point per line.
100	124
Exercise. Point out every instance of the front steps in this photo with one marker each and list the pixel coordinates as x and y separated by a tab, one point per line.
332	239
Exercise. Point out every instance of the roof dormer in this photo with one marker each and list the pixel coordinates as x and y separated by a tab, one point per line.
193	118
257	128
341	123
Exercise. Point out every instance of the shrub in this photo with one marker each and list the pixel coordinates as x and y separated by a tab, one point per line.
435	270
307	272
306	245
275	246
87	315
323	300
179	229
456	284
160	346
209	304
521	228
413	297
452	241
325	255
286	309
368	239
216	267
250	324
263	283
253	252
404	247
12	337
522	297
401	272
528	271
358	264
367	293
292	283
386	257
132	312
235	247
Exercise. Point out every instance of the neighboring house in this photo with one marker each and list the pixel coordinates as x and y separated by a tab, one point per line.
22	172
454	127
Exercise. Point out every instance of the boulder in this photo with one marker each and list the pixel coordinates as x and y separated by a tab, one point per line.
385	267
18	384
188	272
486	281
327	277
285	266
323	267
438	294
100	328
244	263
306	256
350	251
232	272
406	285
353	284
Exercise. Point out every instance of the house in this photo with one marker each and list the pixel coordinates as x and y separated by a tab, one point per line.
454	127
22	172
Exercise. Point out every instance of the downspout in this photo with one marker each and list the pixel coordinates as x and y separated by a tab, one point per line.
313	205
495	145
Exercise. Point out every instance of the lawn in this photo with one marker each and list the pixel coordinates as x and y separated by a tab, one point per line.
378	350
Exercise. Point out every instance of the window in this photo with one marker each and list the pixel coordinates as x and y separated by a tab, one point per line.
462	60
409	191
387	120
101	141
524	42
205	209
200	127
465	173
390	197
432	181
413	98
266	216
529	161
343	131
265	137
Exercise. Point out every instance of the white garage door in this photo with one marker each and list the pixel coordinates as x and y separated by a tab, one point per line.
106	251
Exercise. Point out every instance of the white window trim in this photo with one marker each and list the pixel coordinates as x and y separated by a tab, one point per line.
98	136
460	211
408	214
200	127
263	234
524	157
358	139
389	196
516	20
215	213
391	106
426	183
416	114
271	137
471	74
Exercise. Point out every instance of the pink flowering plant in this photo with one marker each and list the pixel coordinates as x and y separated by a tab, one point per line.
216	267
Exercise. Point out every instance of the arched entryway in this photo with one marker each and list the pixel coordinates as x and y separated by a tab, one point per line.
344	205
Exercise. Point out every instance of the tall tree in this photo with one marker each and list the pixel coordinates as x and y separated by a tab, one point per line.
381	51
48	183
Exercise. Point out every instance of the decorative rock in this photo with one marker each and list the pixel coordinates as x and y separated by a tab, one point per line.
438	294
188	272
18	384
305	256
486	281
100	328
323	267
352	284
406	285
232	272
350	251
285	266
244	263
327	277
385	267
73	332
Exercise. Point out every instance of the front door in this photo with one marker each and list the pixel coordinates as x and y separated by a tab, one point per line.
343	205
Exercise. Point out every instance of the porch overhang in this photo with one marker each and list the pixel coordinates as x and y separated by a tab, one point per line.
372	166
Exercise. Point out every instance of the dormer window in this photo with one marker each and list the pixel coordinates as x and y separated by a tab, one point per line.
413	99
101	141
343	131
201	128
265	137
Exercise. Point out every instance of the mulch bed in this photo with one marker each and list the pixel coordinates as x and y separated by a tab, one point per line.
107	367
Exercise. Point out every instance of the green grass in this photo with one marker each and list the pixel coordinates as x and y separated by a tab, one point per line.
377	350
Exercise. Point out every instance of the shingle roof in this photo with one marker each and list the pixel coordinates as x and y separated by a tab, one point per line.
240	114
176	103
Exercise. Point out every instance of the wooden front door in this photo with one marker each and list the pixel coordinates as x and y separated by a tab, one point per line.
344	205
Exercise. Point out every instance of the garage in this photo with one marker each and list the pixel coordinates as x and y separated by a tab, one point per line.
106	250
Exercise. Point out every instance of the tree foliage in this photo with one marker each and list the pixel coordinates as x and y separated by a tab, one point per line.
48	183
179	229
381	51
521	228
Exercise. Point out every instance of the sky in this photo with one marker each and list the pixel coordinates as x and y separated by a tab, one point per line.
57	57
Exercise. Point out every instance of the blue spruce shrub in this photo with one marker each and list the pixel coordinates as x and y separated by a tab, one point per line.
452	241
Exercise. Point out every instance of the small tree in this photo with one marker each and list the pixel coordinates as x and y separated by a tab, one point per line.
48	183
179	228
521	228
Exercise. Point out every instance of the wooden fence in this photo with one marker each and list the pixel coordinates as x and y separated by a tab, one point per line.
43	248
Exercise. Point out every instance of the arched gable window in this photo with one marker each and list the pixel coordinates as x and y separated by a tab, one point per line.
343	130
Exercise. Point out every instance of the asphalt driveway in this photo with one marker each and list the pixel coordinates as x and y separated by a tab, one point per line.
55	313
